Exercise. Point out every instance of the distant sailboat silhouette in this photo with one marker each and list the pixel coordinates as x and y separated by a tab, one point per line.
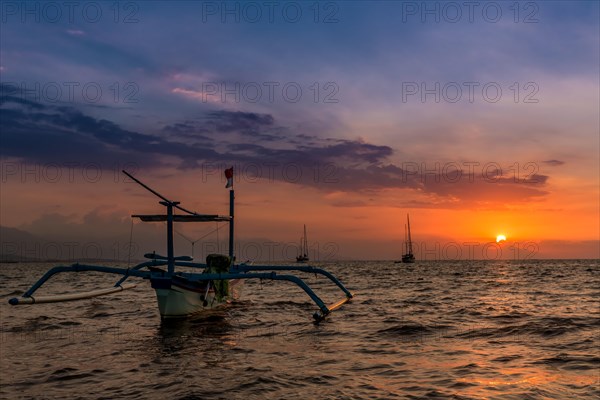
407	257
303	257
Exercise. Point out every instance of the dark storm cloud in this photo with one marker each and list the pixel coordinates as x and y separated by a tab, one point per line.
46	133
189	131
40	133
185	128
355	150
252	125
228	121
259	126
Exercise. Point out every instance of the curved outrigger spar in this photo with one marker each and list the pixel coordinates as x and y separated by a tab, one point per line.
180	294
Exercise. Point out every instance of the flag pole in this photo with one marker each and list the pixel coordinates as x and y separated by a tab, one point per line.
231	201
231	212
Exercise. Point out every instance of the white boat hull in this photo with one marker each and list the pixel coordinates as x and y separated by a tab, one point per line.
179	302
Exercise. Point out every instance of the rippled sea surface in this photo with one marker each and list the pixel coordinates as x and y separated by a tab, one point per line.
459	330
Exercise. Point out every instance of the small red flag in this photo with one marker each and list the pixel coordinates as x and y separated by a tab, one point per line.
229	176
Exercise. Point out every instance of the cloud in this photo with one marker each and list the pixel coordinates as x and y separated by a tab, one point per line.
196	95
65	134
188	130
553	163
227	121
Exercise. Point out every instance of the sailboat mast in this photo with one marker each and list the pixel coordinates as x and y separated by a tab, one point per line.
405	240
305	242
409	238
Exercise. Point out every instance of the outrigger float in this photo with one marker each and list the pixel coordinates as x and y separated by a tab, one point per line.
181	294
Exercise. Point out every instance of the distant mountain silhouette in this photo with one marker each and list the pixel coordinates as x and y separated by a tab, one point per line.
12	241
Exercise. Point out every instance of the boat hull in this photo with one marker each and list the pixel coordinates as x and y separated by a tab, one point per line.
182	299
408	258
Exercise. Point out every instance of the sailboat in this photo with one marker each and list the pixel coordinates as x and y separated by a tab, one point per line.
303	256
408	257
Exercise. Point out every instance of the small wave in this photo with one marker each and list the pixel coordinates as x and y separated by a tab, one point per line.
467	367
69	323
462	385
466	311
13	293
287	303
67	374
100	315
544	327
572	362
424	289
406	330
320	379
39	323
511	316
505	359
98	371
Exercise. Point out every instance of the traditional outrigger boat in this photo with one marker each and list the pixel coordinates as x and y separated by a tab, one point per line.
181	294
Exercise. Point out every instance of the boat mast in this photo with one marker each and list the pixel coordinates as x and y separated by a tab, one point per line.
231	201
405	240
170	250
305	252
409	238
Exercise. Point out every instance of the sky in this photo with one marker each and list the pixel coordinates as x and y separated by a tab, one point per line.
477	119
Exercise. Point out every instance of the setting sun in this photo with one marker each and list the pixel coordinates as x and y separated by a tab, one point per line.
500	238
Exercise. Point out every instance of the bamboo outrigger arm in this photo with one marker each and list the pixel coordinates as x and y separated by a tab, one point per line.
27	297
70	297
247	268
324	310
308	269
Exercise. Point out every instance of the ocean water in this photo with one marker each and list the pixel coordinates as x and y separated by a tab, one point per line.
431	330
